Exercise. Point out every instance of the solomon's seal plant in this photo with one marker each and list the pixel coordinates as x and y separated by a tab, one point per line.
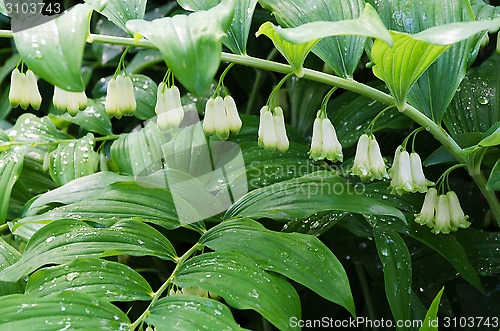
185	174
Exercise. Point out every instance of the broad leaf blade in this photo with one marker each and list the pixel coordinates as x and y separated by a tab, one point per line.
30	128
73	160
54	50
395	258
93	118
192	313
65	309
110	281
243	285
341	53
494	180
303	258
304	196
402	64
190	45
121	11
237	35
63	240
11	164
9	256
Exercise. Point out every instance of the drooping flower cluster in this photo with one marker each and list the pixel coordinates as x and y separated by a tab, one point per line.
272	131
120	98
168	107
368	161
442	213
325	143
221	117
24	90
70	101
407	173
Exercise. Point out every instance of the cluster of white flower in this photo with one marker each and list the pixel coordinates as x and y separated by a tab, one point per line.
442	213
407	173
24	90
70	101
324	143
120	98
168	107
368	161
221	117
272	131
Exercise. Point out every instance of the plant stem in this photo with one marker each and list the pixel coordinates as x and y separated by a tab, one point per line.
3	227
366	291
489	195
165	285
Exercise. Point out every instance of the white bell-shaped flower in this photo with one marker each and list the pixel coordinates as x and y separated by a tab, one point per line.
111	104
24	90
267	130
232	114
32	87
316	150
175	111
361	160
420	183
428	211
16	88
457	216
126	103
70	101
376	162
402	180
259	133
209	120
221	121
442	223
279	125
332	149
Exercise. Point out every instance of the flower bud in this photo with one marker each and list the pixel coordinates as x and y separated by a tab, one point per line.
232	114
442	220
209	120
426	216
268	135
279	125
316	150
221	121
393	171
175	111
82	100
59	99
458	218
25	93
332	149
402	181
161	109
72	104
125	95
263	110
361	160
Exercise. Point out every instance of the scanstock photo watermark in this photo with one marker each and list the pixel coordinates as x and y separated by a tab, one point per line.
366	323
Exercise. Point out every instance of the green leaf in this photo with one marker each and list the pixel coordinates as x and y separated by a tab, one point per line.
65	309
30	128
237	35
93	118
139	152
301	197
450	249
402	64
73	159
9	256
119	201
484	11
11	164
341	53
107	280
143	59
54	50
368	24
75	191
481	246
430	320
395	258
295	54
442	155
64	240
121	11
191	45
476	105
433	92
243	285
192	313
303	258
493	183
